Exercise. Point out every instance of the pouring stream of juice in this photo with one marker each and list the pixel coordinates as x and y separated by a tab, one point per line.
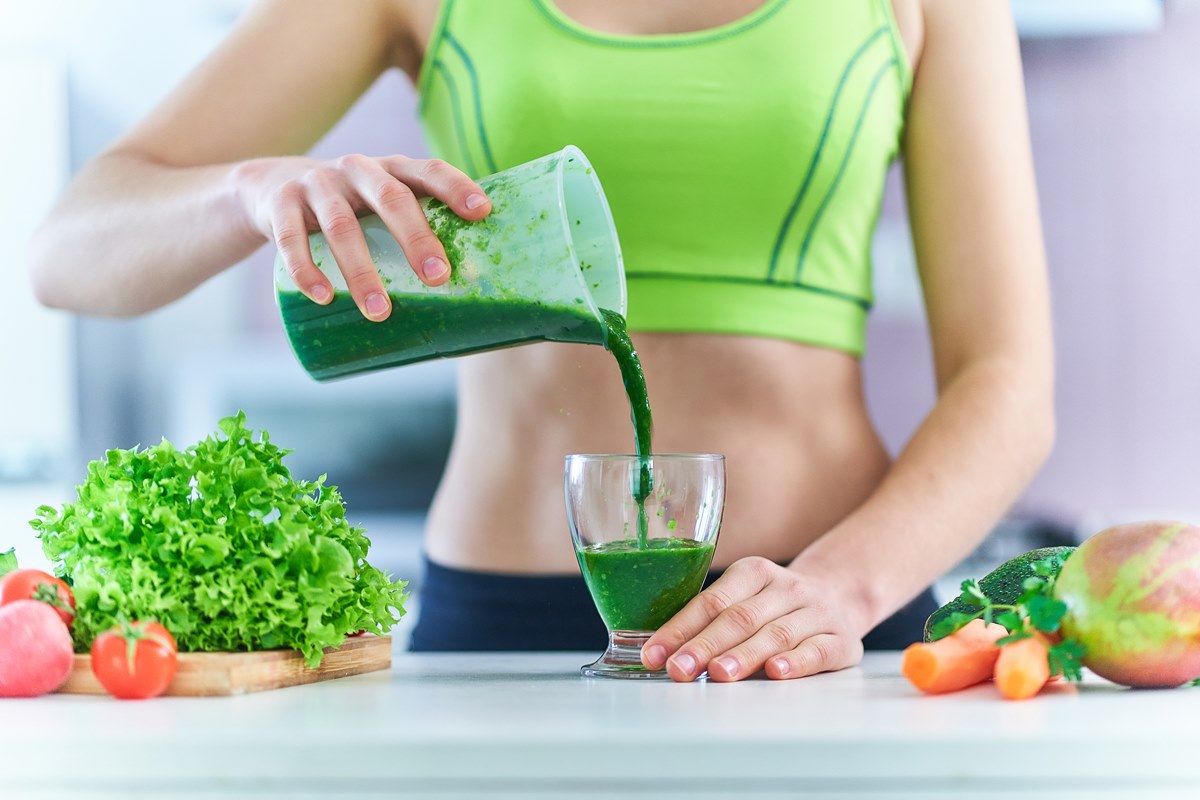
619	344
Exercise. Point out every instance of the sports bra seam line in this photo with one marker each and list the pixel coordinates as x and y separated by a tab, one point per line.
441	27
837	179
904	67
476	95
805	184
809	287
558	19
460	131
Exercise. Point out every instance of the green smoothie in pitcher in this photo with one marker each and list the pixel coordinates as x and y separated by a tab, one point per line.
334	340
539	267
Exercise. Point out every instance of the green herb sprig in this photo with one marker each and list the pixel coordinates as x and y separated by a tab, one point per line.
1035	610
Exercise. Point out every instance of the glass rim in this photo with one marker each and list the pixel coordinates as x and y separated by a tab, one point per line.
630	457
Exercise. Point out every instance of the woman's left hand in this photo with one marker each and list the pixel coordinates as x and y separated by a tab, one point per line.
759	615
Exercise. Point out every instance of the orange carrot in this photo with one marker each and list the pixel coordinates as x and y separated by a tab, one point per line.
1023	667
964	658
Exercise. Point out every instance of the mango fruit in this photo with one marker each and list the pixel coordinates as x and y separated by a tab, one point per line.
1133	600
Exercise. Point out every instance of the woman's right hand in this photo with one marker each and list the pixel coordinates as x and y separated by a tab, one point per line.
287	198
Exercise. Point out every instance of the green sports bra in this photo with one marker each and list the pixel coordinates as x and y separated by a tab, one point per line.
744	164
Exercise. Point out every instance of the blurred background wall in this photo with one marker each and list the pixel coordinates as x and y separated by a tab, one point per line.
1115	123
1115	120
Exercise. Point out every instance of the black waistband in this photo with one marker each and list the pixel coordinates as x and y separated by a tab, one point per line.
468	610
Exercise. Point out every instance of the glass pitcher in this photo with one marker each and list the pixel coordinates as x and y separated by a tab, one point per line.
540	267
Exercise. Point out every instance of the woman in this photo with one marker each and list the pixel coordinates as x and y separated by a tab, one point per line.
743	146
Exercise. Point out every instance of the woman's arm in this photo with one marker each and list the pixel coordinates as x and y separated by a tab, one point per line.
973	206
974	214
213	172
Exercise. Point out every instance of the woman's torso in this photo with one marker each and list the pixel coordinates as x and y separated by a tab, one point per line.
789	416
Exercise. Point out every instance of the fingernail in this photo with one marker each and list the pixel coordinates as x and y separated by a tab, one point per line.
475	201
685	663
728	664
434	268
377	304
320	293
782	666
656	655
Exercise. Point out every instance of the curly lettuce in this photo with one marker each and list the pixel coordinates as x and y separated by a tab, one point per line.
221	545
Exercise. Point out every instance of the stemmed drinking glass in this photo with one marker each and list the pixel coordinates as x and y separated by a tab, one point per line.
644	554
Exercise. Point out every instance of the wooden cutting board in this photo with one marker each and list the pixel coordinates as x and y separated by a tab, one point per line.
225	674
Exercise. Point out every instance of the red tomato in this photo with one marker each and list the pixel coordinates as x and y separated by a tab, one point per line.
135	660
33	584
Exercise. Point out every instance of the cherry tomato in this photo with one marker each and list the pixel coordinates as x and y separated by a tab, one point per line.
134	660
33	584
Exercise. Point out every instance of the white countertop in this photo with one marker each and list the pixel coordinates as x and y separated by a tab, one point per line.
527	725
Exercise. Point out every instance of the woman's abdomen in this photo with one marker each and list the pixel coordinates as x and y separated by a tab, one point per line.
790	419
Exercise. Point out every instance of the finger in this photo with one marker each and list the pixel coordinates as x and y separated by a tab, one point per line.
436	178
345	237
734	626
743	580
777	636
291	237
824	652
397	206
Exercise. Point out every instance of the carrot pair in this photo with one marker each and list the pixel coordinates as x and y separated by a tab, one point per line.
970	655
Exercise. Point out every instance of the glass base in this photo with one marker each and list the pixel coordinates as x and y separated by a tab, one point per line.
623	659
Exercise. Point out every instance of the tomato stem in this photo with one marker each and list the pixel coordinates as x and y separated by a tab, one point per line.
134	632
48	593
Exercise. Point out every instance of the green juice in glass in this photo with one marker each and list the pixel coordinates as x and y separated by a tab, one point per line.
639	587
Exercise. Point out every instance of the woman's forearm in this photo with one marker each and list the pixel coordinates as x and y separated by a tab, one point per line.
130	235
990	431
